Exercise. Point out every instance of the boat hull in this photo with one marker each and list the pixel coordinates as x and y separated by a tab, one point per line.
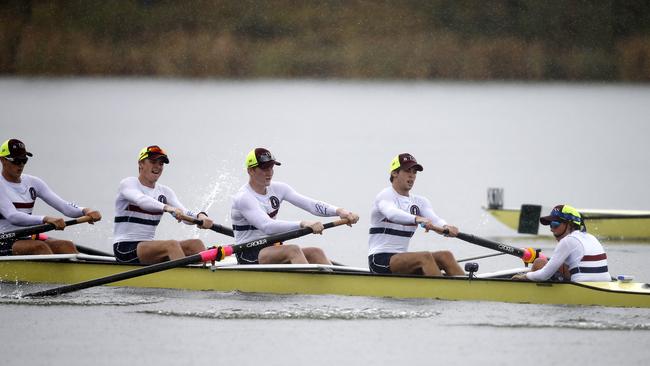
338	283
627	225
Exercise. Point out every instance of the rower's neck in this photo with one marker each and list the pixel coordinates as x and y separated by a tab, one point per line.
145	182
10	178
257	188
401	191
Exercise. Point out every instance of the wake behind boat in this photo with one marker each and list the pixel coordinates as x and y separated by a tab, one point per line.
315	279
602	223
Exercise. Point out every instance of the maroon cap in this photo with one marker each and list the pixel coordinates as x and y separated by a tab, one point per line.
405	161
260	157
14	148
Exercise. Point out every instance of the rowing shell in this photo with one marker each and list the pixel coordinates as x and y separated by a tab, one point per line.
612	224
336	280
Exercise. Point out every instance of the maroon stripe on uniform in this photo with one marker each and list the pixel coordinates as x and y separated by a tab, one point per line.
592	258
274	213
135	208
390	222
24	204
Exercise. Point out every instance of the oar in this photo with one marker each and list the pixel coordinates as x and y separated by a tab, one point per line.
215	227
41	228
213	254
528	255
479	257
91	251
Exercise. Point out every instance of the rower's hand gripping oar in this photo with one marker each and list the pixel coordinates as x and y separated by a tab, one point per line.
209	255
528	255
215	227
32	230
221	252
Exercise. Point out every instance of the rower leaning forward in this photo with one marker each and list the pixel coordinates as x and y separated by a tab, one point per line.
255	208
140	204
18	193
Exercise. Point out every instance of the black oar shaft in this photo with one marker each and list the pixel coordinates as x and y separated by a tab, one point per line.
222	230
491	245
215	227
270	240
206	255
92	251
40	228
119	276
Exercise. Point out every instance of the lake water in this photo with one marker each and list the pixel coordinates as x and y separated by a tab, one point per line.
582	144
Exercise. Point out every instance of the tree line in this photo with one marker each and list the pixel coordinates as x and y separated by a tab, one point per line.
589	40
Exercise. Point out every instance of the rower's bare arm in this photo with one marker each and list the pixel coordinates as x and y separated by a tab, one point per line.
350	216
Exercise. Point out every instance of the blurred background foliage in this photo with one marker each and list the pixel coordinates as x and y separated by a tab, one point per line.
602	40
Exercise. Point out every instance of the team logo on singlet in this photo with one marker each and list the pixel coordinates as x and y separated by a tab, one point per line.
415	210
162	199
32	193
275	202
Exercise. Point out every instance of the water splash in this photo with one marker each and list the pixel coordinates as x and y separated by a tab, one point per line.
77	301
320	313
219	191
13	295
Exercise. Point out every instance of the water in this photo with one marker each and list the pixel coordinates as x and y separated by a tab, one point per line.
585	145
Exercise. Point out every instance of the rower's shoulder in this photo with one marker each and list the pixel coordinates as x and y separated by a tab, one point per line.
128	183
30	180
243	191
386	192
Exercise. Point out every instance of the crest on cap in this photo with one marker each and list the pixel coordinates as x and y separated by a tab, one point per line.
260	157
13	148
405	161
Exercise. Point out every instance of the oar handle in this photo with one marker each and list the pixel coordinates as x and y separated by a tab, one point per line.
215	227
41	228
227	250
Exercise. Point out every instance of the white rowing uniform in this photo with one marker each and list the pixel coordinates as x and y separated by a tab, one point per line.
392	220
19	198
253	214
582	253
138	210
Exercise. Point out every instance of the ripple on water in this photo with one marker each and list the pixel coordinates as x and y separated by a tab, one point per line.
577	323
87	298
320	313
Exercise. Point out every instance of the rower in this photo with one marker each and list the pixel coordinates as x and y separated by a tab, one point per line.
18	193
139	206
395	215
256	205
578	256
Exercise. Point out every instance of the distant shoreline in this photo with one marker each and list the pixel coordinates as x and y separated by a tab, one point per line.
388	40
